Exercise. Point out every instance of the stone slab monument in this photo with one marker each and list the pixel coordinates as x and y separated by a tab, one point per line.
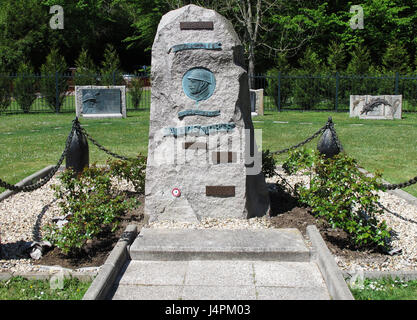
257	102
100	101
375	107
203	160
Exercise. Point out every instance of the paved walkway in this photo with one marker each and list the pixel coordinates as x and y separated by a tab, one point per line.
199	268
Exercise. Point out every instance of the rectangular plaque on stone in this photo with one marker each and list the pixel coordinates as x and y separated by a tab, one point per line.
224	157
220	191
100	101
195	145
197	25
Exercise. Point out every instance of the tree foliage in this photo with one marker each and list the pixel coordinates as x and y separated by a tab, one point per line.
266	27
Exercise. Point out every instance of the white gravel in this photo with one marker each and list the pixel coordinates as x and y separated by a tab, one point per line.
23	215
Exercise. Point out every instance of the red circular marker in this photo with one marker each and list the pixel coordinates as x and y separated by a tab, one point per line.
176	192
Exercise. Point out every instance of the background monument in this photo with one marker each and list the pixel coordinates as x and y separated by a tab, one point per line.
202	158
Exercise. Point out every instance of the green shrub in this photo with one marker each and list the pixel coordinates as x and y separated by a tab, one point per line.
309	88
341	194
136	90
133	170
110	68
85	70
268	164
24	87
53	84
90	204
5	96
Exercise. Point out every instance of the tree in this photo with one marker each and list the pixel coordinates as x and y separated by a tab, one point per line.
53	84
265	27
360	61
309	87
110	67
396	59
24	32
336	57
5	96
85	73
24	86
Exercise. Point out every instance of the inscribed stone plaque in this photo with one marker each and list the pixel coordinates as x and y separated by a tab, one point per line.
197	25
100	101
220	191
201	94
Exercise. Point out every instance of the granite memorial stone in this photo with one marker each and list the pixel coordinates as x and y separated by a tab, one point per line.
203	160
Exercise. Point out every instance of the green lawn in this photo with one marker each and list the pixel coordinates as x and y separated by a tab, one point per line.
386	145
29	142
19	288
385	289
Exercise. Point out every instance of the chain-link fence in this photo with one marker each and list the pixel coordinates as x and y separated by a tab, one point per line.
24	93
300	91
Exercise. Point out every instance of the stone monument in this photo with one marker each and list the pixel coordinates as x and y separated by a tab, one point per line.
203	160
257	102
375	107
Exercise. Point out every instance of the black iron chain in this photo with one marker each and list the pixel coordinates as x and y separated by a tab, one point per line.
49	176
399	185
316	134
98	145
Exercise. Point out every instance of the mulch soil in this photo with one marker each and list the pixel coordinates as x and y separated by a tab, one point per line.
95	252
285	213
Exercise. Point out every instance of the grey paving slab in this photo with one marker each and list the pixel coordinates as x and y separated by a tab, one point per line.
219	293
189	244
220	280
219	273
137	292
154	273
288	274
287	293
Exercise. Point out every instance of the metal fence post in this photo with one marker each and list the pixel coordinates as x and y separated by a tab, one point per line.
337	92
279	91
56	93
397	78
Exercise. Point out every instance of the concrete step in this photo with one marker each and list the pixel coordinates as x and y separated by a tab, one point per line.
219	280
209	244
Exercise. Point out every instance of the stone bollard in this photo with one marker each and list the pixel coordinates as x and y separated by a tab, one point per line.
77	157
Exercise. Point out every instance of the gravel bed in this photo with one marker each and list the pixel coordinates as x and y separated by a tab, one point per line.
22	218
23	215
400	216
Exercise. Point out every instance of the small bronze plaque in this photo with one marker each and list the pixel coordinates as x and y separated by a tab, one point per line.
224	157
197	25
195	145
220	191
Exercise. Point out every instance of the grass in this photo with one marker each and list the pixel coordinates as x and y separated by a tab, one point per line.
29	142
385	145
19	288
385	289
